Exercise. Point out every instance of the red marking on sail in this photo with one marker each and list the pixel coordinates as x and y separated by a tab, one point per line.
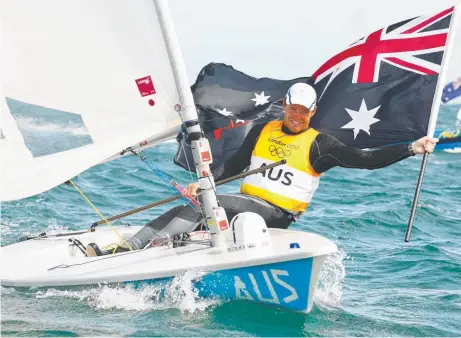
145	86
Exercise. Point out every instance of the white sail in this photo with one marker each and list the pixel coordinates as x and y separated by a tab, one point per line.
80	82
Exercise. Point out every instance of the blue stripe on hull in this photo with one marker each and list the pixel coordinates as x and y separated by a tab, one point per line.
450	145
283	284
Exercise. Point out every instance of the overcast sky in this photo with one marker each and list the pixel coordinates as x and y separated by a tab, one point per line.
289	38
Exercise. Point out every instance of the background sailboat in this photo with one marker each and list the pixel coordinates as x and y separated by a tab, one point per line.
452	92
450	138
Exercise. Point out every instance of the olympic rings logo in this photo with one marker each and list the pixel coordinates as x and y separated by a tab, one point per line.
279	151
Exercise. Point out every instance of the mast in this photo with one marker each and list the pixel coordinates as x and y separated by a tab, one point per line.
216	218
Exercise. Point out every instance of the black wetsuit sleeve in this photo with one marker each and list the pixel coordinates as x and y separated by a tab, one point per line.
328	152
241	159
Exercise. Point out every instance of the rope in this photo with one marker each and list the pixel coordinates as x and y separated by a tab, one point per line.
105	220
167	179
202	211
173	198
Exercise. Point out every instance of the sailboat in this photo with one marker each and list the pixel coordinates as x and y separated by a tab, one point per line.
450	138
452	92
113	83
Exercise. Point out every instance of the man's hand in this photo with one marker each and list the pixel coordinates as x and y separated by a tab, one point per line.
424	144
192	188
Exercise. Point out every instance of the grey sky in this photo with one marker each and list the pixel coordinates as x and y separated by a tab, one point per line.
290	38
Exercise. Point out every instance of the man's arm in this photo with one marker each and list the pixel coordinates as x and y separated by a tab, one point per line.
241	158
328	152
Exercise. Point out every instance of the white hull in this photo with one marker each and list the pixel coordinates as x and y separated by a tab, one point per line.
276	274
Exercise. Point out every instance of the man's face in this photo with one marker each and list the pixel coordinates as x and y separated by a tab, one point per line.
297	118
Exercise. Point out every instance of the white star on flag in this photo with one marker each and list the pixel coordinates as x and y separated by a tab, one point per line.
224	112
361	119
260	99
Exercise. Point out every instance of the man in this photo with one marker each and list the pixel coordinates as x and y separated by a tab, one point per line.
280	195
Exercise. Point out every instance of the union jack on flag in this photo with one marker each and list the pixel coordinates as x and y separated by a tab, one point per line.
402	45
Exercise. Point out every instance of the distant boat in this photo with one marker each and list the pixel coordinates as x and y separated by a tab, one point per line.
449	139
452	92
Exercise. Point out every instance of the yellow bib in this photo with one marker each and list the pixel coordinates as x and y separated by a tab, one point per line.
289	186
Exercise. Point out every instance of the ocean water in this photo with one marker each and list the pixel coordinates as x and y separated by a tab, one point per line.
376	285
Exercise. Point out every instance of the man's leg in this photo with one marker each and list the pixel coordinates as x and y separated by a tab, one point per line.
176	221
237	203
183	218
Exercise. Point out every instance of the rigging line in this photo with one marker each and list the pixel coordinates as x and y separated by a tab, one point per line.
168	180
201	208
44	235
100	215
175	197
187	160
102	258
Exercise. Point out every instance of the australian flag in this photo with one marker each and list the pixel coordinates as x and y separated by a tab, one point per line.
376	92
452	90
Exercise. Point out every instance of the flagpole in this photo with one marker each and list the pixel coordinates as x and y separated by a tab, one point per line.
435	110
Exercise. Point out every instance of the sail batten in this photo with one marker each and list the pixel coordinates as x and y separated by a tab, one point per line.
81	82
